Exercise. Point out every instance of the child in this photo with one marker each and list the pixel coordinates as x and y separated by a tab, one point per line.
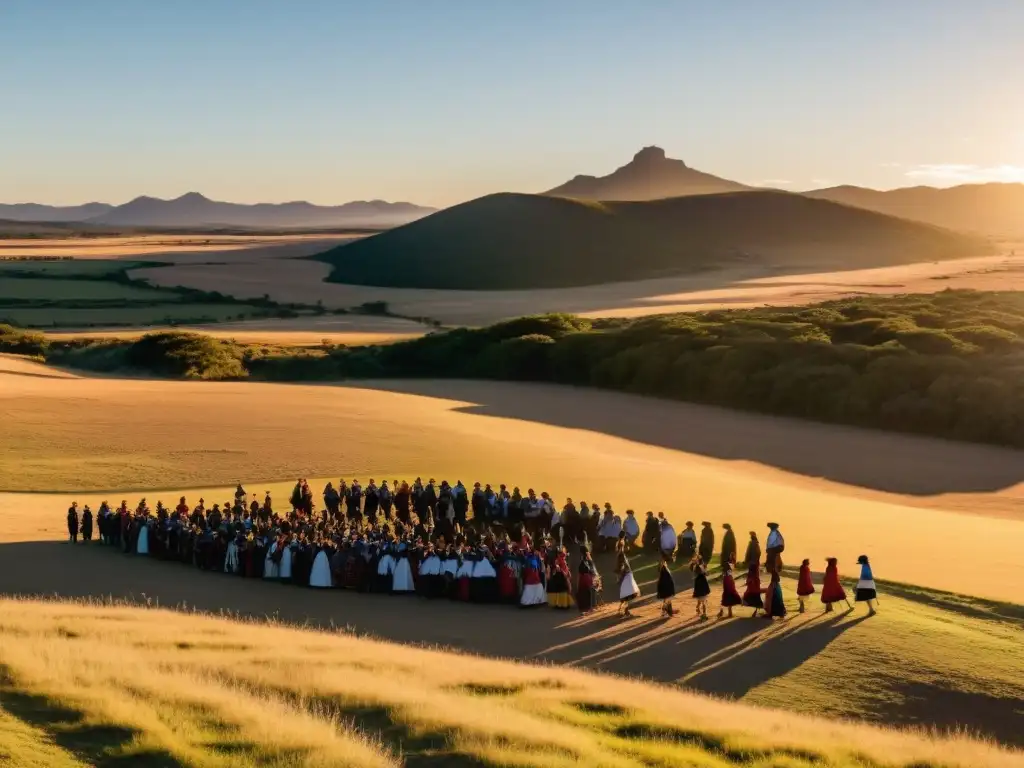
866	586
752	594
730	596
832	591
666	587
804	586
701	588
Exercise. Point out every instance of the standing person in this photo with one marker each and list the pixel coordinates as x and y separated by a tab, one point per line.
628	589
701	587
866	592
728	546
652	536
804	585
687	542
776	546
753	554
774	606
832	590
73	522
666	587
559	582
533	586
668	537
86	524
587	583
730	595
707	542
631	528
752	592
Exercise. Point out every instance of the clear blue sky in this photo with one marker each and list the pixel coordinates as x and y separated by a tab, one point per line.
438	101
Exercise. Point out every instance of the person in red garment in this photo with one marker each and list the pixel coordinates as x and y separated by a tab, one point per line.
752	594
832	590
804	585
730	595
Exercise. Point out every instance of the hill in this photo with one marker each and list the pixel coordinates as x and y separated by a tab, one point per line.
650	175
516	241
193	209
116	685
996	210
37	212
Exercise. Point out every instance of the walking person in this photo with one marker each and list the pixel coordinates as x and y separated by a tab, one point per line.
728	546
776	545
628	589
666	587
701	587
752	592
832	590
804	585
730	595
866	592
707	542
588	582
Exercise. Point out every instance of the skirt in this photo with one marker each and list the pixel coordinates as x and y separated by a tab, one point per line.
866	590
320	576
586	595
701	588
483	589
628	589
666	585
142	546
533	595
401	581
558	591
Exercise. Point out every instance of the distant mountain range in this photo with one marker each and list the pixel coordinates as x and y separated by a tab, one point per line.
650	175
194	210
996	210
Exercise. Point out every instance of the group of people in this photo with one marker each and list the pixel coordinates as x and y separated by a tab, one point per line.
443	541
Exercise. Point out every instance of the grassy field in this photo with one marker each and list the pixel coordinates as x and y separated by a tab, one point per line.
116	685
140	315
515	241
56	290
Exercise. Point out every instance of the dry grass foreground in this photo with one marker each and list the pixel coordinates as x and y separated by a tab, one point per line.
113	685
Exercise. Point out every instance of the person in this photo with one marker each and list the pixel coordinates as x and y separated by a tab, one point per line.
804	585
668	537
866	592
86	524
559	585
402	582
609	529
776	546
701	587
631	528
320	575
666	587
774	606
587	583
832	590
652	536
752	592
533	586
73	522
707	542
687	542
753	554
730	595
628	589
728	546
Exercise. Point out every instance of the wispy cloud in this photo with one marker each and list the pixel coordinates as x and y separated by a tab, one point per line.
966	173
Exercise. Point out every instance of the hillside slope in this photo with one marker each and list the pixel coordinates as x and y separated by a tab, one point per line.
650	175
517	241
123	686
996	210
39	212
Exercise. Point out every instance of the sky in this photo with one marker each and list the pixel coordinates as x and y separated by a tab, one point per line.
442	101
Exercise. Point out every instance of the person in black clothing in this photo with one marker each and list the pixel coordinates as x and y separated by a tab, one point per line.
73	522
86	524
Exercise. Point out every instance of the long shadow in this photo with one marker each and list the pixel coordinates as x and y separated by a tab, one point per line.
98	745
876	460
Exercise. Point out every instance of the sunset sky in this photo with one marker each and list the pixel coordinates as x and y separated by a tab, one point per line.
438	102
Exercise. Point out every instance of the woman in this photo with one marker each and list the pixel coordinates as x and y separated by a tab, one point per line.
804	585
774	606
87	524
866	592
587	583
533	581
752	592
701	587
73	523
666	587
484	585
508	577
402	582
559	586
628	589
730	595
832	590
320	574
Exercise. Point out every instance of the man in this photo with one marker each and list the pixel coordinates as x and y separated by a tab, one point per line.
728	546
776	546
652	536
707	542
687	543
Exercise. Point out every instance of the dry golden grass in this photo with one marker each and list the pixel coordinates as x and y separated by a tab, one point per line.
142	684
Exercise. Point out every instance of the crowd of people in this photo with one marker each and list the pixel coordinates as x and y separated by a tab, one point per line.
443	541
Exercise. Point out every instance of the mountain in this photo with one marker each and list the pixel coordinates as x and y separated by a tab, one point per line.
996	210
507	241
648	176
194	209
37	212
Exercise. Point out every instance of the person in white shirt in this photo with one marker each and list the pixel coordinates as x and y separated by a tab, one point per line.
609	529
631	527
668	537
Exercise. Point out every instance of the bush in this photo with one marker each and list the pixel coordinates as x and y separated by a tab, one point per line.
17	342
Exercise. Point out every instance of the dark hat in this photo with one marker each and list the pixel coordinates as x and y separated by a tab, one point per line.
705	523
727	526
806	561
773	525
863	559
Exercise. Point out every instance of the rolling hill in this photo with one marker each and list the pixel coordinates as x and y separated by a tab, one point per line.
193	209
517	241
650	175
996	210
38	212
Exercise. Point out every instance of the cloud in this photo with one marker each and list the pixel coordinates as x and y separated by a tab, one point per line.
966	173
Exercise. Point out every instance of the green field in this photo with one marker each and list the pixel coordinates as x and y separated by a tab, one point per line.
141	315
59	290
516	241
89	268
